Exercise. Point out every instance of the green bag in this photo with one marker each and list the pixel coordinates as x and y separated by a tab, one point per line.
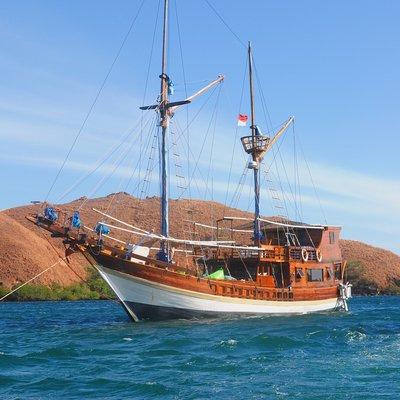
218	274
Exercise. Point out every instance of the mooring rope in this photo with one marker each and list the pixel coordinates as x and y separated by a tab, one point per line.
30	280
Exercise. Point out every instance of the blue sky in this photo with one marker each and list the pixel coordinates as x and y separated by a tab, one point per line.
333	65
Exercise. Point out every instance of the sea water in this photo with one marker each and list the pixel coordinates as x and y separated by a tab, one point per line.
90	349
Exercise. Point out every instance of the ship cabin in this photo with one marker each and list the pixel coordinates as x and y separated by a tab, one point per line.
294	255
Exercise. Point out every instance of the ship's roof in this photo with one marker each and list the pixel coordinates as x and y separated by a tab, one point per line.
275	222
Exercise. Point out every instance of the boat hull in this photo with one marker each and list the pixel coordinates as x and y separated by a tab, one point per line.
143	299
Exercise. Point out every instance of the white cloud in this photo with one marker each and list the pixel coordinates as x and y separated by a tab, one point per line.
382	192
356	203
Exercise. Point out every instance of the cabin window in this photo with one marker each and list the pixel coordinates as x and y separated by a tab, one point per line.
331	237
299	274
330	272
315	275
338	270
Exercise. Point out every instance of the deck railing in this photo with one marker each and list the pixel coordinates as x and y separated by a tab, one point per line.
270	253
256	293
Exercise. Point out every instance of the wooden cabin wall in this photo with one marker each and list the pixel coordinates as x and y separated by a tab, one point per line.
329	246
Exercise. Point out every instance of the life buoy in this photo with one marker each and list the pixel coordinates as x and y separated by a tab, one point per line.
319	255
304	255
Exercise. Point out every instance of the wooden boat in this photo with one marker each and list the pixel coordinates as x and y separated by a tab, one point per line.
288	268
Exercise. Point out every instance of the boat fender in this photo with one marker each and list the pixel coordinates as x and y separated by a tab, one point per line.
304	254
319	255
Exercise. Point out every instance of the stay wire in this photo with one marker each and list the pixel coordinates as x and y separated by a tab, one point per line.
181	135
151	52
226	24
146	84
196	167
117	163
185	86
100	162
235	136
121	185
266	112
186	95
312	181
182	131
267	116
211	162
94	101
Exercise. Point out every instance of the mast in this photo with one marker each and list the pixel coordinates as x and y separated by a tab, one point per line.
256	169
257	145
166	110
164	124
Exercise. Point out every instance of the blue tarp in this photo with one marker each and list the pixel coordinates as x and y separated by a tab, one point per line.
76	220
171	88
51	214
102	229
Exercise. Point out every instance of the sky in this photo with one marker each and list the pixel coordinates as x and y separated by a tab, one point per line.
332	65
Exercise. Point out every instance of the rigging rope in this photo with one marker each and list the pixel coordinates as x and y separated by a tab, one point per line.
312	181
179	174
149	149
276	151
146	86
210	166
122	182
182	131
94	101
189	191
226	24
250	198
267	115
297	189
239	188
181	135
30	280
197	114
235	136
100	162
204	140
150	162
117	163
151	53
268	118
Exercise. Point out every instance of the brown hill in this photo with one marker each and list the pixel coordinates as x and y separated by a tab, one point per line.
380	266
25	250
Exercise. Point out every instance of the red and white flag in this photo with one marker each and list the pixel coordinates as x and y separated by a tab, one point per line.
242	119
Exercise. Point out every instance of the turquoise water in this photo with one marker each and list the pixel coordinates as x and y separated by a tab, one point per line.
87	350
